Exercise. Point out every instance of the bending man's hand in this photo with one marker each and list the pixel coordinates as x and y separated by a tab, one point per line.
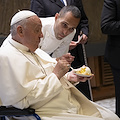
83	40
73	44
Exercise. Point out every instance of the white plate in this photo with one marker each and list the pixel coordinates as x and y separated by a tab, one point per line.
82	75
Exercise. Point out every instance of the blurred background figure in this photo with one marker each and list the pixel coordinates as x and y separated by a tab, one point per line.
110	25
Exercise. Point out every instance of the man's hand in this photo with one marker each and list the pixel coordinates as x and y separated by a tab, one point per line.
63	65
83	40
68	57
73	44
61	68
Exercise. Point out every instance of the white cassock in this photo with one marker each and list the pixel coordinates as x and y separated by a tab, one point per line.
26	80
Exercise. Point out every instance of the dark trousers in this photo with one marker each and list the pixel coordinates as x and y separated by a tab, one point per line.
84	88
116	75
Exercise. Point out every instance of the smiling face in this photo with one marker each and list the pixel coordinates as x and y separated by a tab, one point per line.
65	25
32	33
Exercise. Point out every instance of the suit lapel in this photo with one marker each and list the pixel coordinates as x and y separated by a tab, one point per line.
58	2
69	2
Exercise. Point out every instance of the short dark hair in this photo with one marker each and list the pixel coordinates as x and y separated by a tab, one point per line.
73	9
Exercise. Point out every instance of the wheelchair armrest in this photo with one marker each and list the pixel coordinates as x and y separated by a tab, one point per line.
12	111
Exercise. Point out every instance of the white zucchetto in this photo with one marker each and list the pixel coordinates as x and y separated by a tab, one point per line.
21	15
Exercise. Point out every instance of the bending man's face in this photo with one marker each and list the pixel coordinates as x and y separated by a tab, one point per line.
65	25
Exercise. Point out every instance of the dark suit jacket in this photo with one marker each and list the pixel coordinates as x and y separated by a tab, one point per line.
110	25
47	8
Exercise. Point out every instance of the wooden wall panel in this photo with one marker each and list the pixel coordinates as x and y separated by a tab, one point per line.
7	9
93	9
102	83
107	75
94	64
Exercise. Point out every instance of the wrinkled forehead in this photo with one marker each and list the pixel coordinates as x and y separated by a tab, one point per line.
34	20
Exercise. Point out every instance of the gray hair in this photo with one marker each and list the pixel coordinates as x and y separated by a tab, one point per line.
13	29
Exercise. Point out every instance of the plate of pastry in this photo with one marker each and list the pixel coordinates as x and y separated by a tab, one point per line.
83	71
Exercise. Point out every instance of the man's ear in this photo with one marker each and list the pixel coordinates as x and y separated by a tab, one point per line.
20	30
56	16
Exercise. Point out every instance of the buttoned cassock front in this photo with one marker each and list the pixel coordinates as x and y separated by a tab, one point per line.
27	81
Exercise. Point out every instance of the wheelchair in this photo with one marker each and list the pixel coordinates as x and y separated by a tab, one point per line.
12	111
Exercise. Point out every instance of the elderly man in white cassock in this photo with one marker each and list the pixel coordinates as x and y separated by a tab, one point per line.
29	77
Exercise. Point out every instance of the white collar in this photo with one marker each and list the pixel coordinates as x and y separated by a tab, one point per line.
43	55
18	45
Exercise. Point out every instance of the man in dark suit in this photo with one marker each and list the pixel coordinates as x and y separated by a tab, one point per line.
48	8
110	25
